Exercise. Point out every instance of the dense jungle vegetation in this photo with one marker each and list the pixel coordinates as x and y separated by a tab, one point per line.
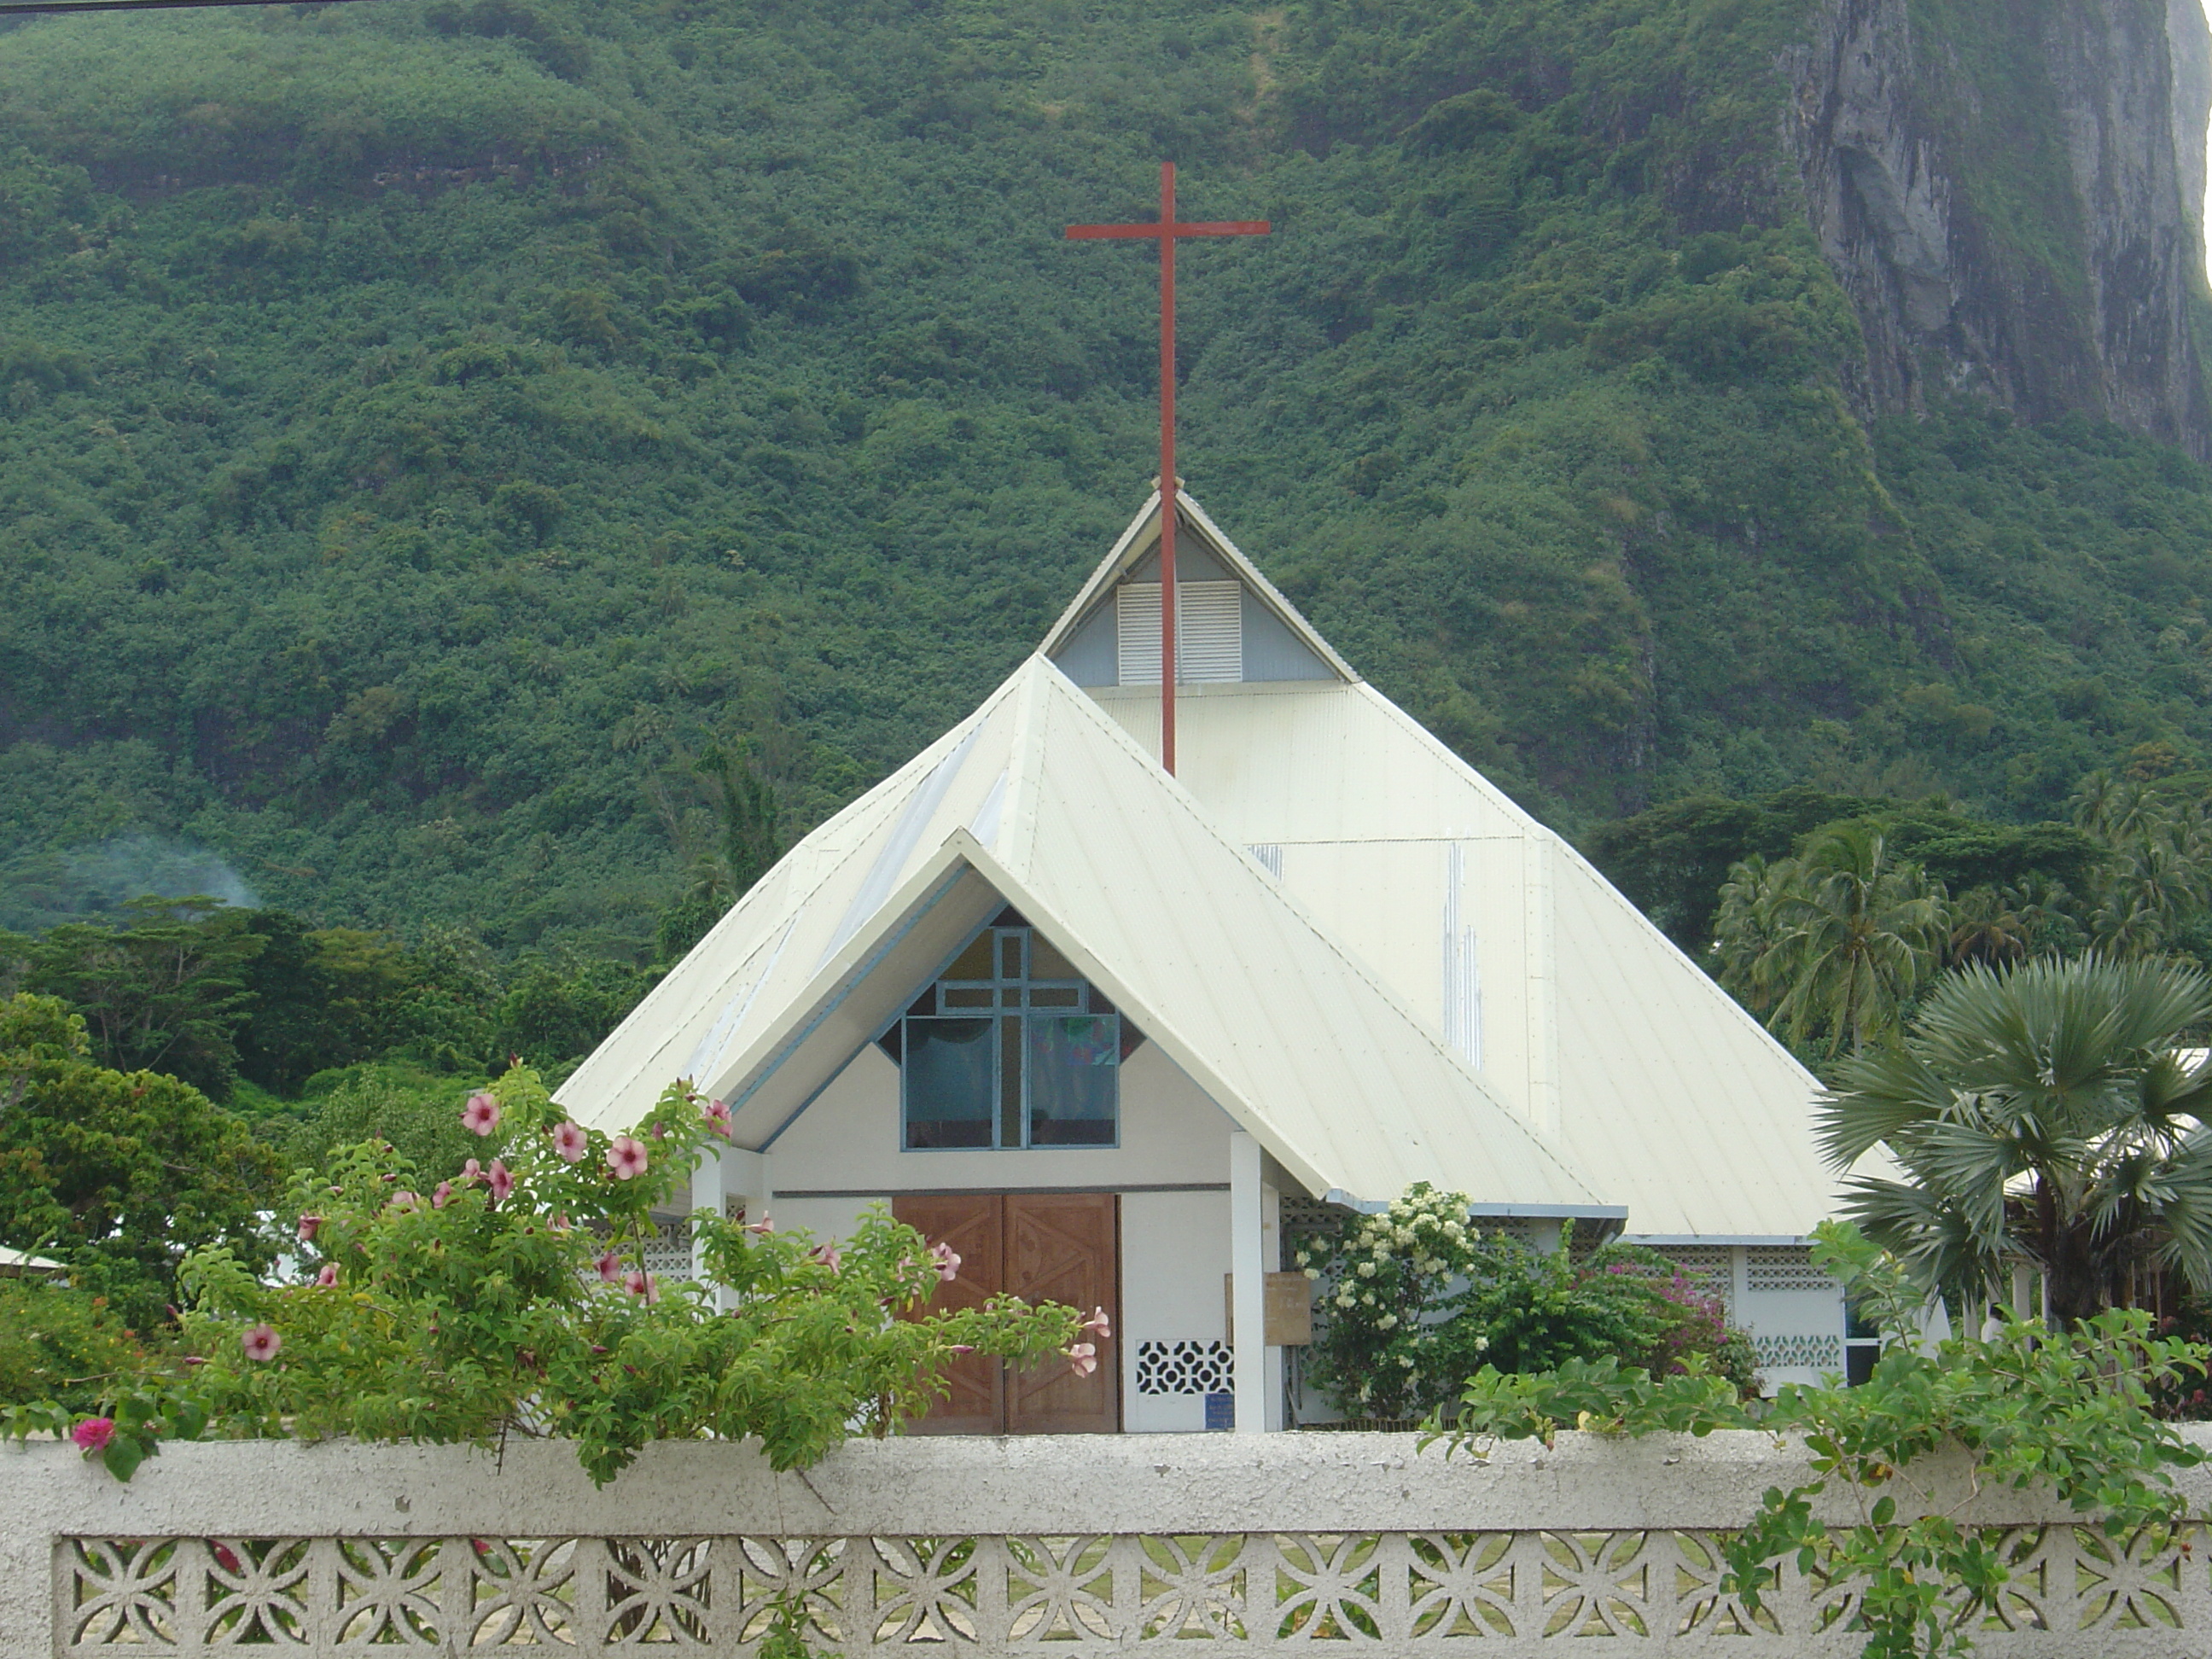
478	477
429	428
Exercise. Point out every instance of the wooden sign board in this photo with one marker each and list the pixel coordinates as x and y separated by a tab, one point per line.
1288	1299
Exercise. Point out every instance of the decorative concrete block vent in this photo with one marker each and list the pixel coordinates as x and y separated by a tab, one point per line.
1076	1545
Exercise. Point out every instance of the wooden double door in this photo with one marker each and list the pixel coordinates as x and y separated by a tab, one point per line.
1041	1247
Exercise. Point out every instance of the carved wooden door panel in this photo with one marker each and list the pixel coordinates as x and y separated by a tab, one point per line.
1065	1247
1044	1247
974	1224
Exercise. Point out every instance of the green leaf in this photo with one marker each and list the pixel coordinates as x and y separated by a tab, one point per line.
123	1455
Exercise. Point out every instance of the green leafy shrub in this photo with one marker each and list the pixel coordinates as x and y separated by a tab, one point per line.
2072	1412
63	1344
118	1173
1417	1299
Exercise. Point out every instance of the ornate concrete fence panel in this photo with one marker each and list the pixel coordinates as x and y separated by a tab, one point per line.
1340	1543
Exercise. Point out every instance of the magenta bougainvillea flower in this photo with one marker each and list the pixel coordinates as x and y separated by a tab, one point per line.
947	1260
570	1142
261	1343
93	1433
1083	1359
481	1115
626	1157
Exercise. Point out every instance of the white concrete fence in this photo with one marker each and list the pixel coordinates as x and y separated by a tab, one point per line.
1209	1545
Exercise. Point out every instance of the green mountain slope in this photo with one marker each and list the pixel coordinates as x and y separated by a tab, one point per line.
422	428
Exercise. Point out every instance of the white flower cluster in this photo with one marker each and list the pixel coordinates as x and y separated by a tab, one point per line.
1425	1232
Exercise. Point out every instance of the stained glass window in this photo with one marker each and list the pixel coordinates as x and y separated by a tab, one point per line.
1011	1048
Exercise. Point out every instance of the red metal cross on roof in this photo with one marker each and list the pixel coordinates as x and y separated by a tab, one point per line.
1167	230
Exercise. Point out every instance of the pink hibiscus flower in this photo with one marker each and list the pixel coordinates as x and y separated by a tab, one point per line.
570	1142
717	1119
481	1115
471	1172
946	1259
93	1433
328	1276
626	1157
641	1285
610	1267
403	1202
261	1343
502	1183
1083	1359
1097	1325
439	1193
309	1226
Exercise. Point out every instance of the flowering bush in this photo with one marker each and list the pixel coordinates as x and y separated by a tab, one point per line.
1415	1300
512	1296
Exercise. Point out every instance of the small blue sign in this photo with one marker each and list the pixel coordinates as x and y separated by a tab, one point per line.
1220	1411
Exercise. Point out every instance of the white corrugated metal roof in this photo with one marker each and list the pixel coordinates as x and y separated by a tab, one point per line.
1039	800
1667	1096
1422	983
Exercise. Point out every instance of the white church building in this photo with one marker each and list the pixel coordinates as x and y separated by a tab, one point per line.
1107	1031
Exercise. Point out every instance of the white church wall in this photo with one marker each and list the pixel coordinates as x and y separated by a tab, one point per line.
825	1218
848	1141
1174	1253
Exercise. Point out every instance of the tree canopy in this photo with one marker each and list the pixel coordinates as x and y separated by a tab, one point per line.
430	429
118	1174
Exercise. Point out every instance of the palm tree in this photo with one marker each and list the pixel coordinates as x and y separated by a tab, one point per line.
2039	1111
1851	935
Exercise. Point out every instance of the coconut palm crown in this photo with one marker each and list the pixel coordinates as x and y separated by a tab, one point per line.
2039	1111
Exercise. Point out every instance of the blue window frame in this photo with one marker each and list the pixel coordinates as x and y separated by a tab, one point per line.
1010	1047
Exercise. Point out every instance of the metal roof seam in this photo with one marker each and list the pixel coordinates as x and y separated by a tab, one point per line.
1583	866
1158	1027
1072	697
1351	959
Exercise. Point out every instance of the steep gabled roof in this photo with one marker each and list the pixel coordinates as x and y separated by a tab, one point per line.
1138	542
1581	1014
1038	799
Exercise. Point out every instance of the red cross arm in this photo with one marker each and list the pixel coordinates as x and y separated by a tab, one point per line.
1209	228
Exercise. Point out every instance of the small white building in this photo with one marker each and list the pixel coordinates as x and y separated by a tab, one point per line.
1102	1029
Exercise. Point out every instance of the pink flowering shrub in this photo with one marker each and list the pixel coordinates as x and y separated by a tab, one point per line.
516	1300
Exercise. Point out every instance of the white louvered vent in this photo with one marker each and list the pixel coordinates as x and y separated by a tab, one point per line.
1209	632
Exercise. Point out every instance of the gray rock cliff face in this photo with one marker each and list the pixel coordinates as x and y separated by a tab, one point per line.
2012	194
